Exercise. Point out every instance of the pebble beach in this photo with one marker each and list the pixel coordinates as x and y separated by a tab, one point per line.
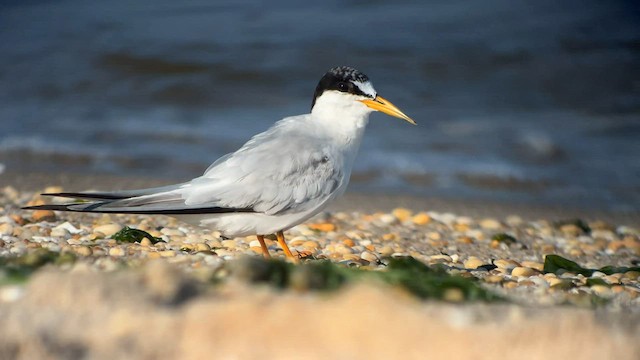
166	279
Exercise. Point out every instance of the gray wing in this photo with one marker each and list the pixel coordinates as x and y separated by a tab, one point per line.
289	168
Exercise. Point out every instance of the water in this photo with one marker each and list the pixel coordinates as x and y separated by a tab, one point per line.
518	101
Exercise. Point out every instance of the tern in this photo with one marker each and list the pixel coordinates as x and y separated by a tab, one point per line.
278	179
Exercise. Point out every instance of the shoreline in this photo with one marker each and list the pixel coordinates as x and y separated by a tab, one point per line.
350	201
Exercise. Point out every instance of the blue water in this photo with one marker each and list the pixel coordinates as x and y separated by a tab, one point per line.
515	100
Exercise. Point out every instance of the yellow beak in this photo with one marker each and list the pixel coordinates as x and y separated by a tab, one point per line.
384	105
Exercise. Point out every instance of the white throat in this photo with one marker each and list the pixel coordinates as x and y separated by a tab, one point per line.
341	112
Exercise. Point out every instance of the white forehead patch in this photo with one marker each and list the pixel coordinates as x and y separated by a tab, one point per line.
366	87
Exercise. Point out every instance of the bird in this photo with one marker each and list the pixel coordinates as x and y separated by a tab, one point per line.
278	179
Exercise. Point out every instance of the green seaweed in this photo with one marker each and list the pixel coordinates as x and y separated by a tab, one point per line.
557	264
504	238
432	282
17	269
581	224
130	235
597	281
408	273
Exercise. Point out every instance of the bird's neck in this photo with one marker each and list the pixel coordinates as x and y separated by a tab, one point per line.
346	120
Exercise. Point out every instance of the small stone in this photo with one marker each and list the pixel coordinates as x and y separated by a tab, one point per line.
116	251
216	244
402	214
167	253
533	264
390	237
6	229
514	220
521	271
18	219
602	290
465	240
369	256
43	215
187	247
171	232
108	229
493	279
146	242
440	258
490	224
526	283
343	249
59	232
202	247
348	242
571	230
386	250
421	218
322	227
311	245
560	284
633	275
617	289
473	262
505	264
388	219
83	250
229	244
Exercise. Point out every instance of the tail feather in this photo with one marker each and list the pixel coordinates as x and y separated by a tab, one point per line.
54	207
96	207
89	195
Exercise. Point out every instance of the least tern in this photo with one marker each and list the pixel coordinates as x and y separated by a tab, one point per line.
278	179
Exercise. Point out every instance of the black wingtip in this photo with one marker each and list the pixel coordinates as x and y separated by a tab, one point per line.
98	196
47	207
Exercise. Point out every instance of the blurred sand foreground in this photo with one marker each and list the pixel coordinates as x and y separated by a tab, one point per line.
157	313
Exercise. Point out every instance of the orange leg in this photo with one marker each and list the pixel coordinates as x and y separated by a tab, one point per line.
283	245
265	251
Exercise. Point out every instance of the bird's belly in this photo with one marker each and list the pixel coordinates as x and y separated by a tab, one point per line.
245	224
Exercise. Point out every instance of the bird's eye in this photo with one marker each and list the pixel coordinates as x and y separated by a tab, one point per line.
343	86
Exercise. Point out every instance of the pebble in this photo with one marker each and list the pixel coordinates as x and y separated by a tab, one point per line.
602	290
533	264
402	214
171	232
201	247
322	227
82	250
473	262
108	229
441	258
369	256
6	229
116	251
521	271
229	244
506	264
490	224
43	215
493	279
421	218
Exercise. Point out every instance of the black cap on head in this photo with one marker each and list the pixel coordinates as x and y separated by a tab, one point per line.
343	79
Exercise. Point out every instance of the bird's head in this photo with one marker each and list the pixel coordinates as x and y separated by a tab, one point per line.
347	88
